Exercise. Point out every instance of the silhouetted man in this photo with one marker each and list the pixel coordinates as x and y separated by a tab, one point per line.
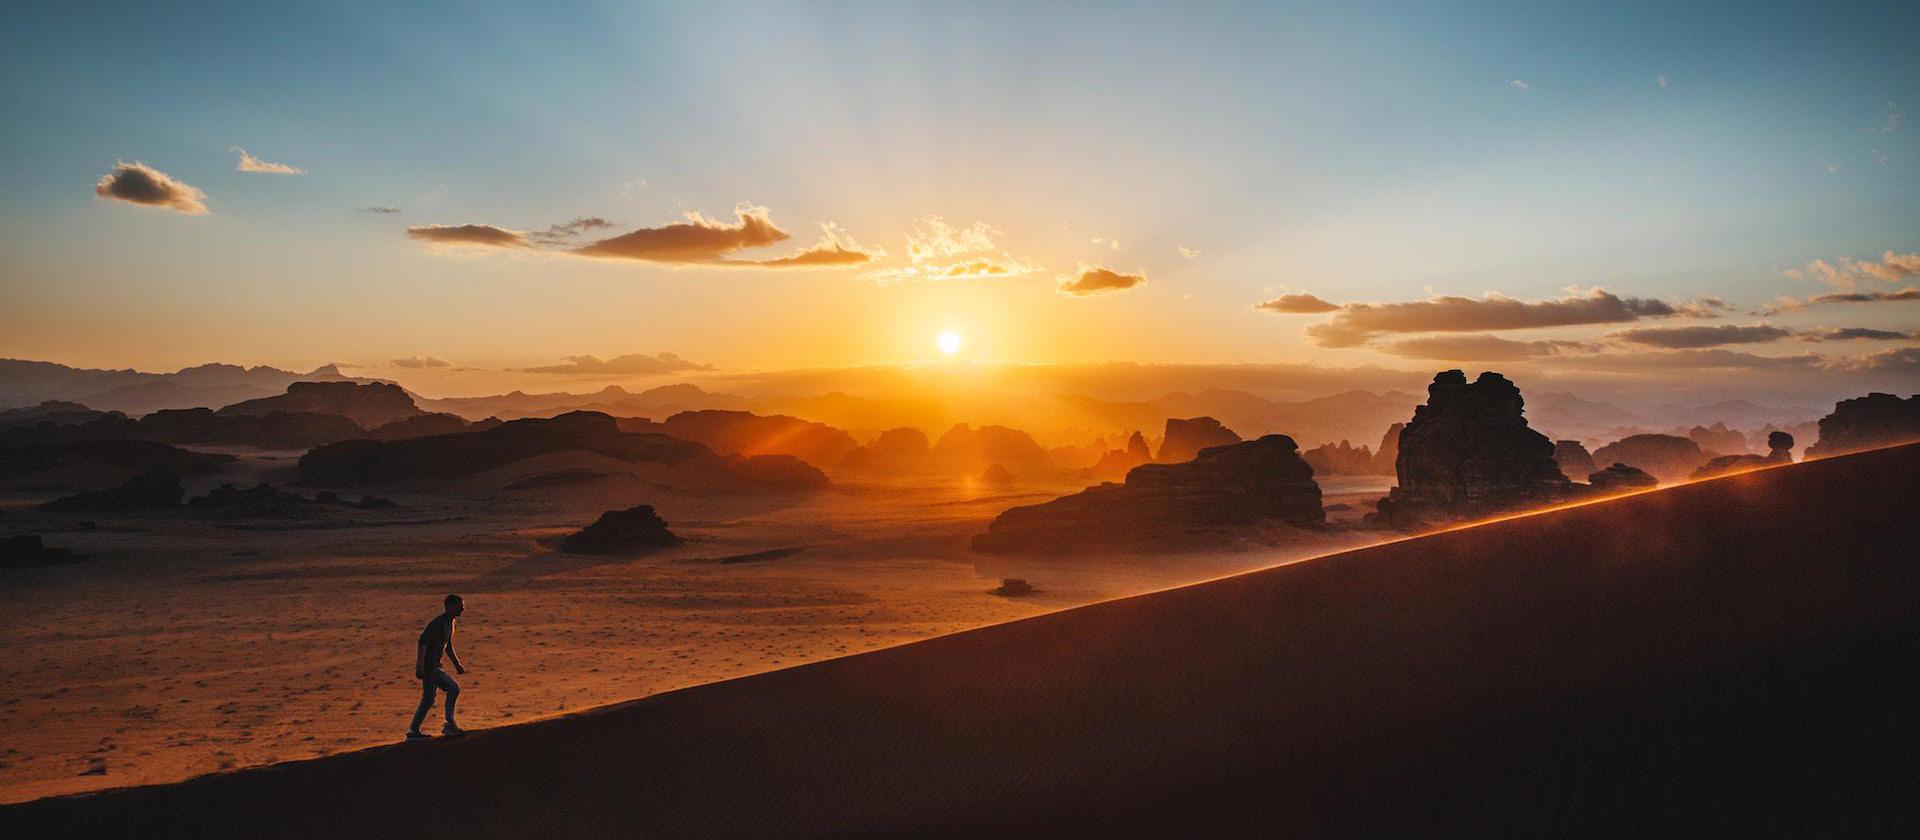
438	637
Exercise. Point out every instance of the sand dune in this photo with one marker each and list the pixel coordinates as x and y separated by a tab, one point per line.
1736	655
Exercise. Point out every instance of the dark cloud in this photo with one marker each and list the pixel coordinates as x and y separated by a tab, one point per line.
478	235
382	210
138	183
559	234
1358	323
1861	333
1478	348
632	364
1301	304
1688	360
696	240
1902	361
1682	338
421	362
1097	280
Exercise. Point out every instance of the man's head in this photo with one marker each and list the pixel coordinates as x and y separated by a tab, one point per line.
455	606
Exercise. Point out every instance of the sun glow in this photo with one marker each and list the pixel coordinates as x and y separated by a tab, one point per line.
949	342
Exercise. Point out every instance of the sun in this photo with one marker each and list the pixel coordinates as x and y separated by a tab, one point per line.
948	342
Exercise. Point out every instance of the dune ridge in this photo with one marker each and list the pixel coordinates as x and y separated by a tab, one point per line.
1736	654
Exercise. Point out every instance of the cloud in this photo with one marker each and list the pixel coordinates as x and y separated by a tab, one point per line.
1662	79
937	251
1478	348
486	236
559	234
1892	122
1901	361
1790	304
1097	280
1679	338
421	362
1861	333
698	240
1518	85
1300	304
834	249
1689	360
380	209
1187	252
632	364
1358	323
249	163
138	183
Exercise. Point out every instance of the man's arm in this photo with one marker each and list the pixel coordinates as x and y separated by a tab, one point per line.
454	657
420	660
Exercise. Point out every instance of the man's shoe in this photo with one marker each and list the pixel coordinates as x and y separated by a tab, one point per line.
417	735
450	729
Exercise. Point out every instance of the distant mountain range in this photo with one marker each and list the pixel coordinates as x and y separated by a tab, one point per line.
1359	416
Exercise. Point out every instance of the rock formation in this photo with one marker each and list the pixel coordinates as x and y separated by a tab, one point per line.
1619	478
1341	459
53	413
369	405
154	491
1012	588
1388	455
901	450
444	457
1170	506
1573	458
995	477
1468	453
426	425
1780	451
632	531
1718	439
965	449
277	430
1116	463
1185	438
1868	422
1668	458
746	433
96	462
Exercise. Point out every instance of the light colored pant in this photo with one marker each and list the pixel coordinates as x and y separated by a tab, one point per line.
435	679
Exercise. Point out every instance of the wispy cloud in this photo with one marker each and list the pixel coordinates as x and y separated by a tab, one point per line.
563	233
632	364
1891	123
421	362
1297	304
937	250
483	236
380	209
1661	79
1096	280
835	248
1356	324
1679	338
1518	85
699	239
1187	252
1478	348
138	183
249	163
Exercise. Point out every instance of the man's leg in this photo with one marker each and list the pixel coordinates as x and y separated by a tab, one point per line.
452	689
426	703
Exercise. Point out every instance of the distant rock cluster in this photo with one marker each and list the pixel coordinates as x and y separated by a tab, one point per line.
1868	422
1170	506
1668	458
1184	439
635	530
1780	451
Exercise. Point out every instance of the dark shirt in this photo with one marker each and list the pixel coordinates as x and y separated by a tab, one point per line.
437	638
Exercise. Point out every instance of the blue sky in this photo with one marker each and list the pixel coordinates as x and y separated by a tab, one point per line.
1376	154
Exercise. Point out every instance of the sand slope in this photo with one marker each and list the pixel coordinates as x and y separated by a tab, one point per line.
1738	654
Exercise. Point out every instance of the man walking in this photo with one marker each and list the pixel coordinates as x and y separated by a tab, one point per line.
438	637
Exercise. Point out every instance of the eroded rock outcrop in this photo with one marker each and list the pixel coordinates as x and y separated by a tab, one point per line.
1170	506
1185	438
636	530
964	448
427	425
1718	439
1388	455
1340	459
1668	458
746	433
1618	479
1780	451
369	405
1116	463
1573	458
1868	422
1468	453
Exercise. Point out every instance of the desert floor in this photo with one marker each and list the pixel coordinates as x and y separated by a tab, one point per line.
187	644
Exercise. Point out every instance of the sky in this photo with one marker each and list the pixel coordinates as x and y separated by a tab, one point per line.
476	195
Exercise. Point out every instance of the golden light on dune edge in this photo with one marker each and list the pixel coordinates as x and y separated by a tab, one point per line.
949	342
